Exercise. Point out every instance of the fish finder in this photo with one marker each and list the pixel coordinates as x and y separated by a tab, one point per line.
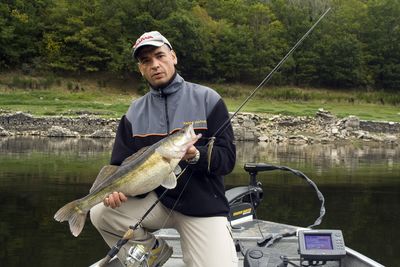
321	245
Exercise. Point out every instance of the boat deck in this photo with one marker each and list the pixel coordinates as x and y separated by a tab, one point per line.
248	234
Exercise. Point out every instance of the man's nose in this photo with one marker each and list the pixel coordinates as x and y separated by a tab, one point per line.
155	64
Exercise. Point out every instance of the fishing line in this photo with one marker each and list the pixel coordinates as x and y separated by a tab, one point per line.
176	201
225	125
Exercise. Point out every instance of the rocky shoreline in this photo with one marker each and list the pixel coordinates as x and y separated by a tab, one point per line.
324	127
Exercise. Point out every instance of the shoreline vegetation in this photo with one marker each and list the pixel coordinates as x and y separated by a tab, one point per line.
355	46
92	106
109	97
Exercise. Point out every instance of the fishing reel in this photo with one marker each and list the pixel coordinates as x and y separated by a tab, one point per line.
137	256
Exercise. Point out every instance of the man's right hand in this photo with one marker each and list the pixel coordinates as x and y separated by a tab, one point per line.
115	200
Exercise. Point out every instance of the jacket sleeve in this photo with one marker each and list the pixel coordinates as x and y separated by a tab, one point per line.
223	155
123	144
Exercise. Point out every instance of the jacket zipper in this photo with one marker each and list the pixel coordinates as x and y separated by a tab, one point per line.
166	109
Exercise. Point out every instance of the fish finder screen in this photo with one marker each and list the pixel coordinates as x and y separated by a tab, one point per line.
322	241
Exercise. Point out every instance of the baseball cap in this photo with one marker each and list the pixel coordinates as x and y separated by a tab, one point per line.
153	38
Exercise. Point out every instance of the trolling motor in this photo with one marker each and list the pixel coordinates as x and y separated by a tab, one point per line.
244	200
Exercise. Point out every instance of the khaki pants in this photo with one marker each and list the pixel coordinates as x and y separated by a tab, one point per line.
205	241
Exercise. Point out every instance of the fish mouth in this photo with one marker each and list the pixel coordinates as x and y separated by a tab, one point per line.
189	134
185	139
189	131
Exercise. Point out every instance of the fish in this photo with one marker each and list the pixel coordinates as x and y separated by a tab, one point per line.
138	174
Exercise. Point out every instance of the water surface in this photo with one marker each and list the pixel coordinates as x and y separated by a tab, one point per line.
361	185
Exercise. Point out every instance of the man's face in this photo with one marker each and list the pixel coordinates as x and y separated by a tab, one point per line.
157	64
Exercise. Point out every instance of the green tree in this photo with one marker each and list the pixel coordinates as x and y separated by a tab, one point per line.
381	33
21	28
297	17
81	43
268	35
341	54
192	40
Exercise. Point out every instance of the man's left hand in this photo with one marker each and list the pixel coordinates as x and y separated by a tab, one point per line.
190	153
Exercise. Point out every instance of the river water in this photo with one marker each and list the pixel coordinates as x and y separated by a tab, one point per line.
360	182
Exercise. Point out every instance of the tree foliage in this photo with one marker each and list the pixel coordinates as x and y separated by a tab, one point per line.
356	45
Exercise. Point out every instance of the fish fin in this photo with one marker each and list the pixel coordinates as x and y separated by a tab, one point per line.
135	156
74	215
105	172
170	181
177	170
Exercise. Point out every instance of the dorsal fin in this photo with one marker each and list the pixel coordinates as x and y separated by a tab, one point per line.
105	172
135	156
106	175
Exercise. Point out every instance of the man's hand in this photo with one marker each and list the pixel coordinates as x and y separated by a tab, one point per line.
115	200
190	153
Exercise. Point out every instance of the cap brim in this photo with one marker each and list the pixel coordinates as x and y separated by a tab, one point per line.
151	43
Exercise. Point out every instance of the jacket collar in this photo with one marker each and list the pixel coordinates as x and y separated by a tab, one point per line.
171	88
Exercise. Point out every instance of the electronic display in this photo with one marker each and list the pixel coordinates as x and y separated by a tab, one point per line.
318	241
321	245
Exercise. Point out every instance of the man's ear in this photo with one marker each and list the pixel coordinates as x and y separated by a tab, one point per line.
175	58
140	69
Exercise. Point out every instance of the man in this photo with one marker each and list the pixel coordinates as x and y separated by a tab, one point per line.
197	207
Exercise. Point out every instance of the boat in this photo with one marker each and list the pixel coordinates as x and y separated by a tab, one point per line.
264	243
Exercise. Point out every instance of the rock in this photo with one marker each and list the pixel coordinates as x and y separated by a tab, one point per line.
275	118
103	133
364	135
388	138
289	122
248	136
281	139
3	132
248	123
298	140
324	114
376	138
352	123
326	140
57	131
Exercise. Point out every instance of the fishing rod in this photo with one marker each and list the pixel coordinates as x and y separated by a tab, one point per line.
222	128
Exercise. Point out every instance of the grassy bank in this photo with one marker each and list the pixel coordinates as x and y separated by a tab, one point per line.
107	98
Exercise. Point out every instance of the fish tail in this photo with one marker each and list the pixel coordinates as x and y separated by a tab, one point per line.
74	215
